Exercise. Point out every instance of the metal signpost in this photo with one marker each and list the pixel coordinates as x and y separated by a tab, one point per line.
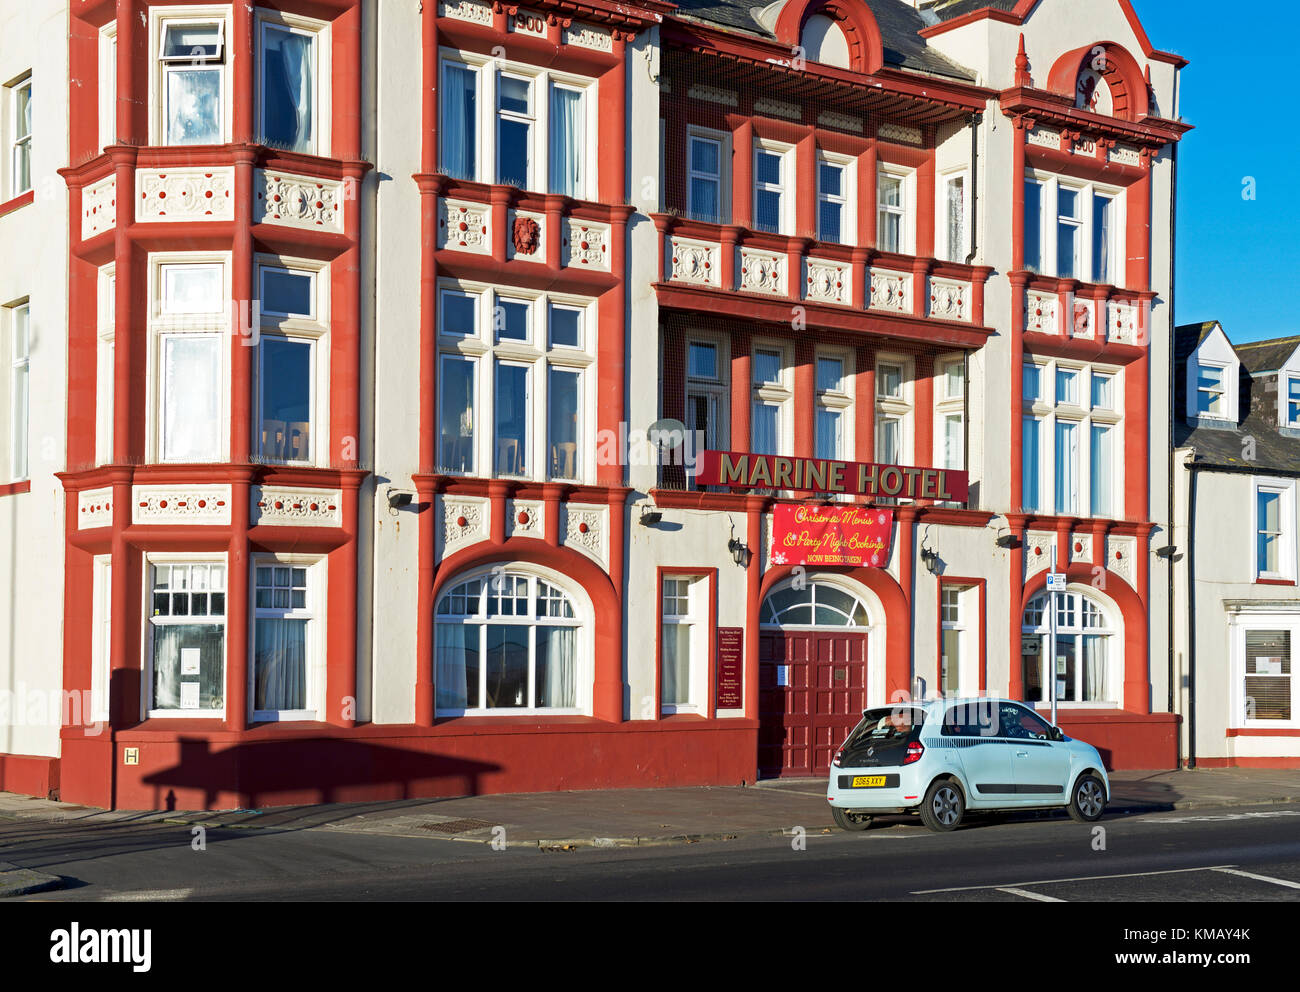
1055	584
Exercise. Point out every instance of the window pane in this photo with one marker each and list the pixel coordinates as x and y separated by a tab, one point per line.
955	380
1101	392
767	168
829	434
1032	383
1269	523
286	374
566	327
566	130
889	381
459	122
458	313
767	211
1033	226
956	202
512	401
287	89
703	361
1067	386
830	178
193	106
830	375
891	191
1103	220
767	366
288	293
176	649
457	667
676	664
950	661
192	41
514	94
1103	477
889	441
511	320
1032	468
456	398
705	156
280	664
563	408
954	441
191	418
1268	675
704	199
513	141
507	666
766	428
1067	467
890	232
829	224
189	289
556	667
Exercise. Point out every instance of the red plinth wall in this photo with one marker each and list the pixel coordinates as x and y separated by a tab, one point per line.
29	775
280	766
1126	740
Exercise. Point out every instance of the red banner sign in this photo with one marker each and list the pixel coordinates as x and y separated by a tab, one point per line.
818	475
831	535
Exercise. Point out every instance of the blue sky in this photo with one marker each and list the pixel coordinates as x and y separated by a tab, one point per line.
1237	258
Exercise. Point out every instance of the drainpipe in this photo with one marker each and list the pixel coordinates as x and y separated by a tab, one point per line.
1191	618
975	120
1173	322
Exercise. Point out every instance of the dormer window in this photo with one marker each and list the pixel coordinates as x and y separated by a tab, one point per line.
1212	391
1291	401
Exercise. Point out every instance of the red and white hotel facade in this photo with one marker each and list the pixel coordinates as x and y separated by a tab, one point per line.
393	529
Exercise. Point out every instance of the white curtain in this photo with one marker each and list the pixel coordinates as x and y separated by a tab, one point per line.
1097	689
1031	452
288	89
192	409
556	661
459	109
764	429
677	663
1067	462
566	141
280	665
956	219
450	672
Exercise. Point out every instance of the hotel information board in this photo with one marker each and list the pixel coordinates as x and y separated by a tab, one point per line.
729	669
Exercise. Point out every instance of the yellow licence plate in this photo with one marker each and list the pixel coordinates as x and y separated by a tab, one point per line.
868	781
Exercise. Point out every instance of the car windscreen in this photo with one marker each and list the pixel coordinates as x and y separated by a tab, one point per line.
885	724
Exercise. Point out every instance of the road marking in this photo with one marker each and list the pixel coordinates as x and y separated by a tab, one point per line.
1260	878
1031	895
1086	878
1222	817
148	895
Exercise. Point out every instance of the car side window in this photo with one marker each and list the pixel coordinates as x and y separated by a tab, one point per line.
1019	723
971	719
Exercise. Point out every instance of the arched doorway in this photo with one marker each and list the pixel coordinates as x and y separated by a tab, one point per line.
812	688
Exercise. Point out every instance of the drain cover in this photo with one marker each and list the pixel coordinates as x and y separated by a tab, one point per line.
457	826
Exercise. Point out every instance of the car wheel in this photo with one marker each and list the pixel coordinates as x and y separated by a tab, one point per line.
943	807
1088	800
847	819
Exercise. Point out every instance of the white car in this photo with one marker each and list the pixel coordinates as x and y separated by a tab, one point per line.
944	757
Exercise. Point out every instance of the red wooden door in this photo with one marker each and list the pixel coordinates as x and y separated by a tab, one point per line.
803	721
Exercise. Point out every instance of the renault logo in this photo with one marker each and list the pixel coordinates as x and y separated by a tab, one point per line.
870	751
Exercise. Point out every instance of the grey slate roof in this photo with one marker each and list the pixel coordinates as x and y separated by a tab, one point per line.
1275	452
956	8
898	21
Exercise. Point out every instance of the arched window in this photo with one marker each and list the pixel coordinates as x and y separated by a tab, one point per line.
823	41
510	641
1089	651
817	604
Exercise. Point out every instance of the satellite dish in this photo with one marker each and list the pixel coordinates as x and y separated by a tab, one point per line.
667	432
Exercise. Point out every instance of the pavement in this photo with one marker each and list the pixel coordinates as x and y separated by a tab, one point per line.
624	817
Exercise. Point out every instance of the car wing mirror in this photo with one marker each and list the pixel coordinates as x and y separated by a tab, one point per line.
1058	734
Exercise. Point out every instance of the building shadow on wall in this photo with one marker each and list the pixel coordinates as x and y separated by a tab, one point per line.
311	771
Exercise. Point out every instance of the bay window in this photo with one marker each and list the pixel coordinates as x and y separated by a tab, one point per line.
526	373
772	194
192	82
186	651
1070	440
517	125
1073	229
287	661
509	641
293	58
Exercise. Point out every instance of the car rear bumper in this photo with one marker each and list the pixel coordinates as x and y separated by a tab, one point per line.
902	790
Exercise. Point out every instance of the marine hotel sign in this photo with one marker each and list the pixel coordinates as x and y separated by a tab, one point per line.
817	475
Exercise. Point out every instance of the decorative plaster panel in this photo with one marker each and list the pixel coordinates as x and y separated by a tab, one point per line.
297	201
950	300
94	508
99	207
828	281
464	226
279	506
762	271
180	505
525	518
184	194
1041	313
891	290
586	245
694	261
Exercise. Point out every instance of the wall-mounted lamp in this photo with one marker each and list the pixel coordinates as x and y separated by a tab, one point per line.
739	552
398	499
650	516
1168	551
931	559
1008	541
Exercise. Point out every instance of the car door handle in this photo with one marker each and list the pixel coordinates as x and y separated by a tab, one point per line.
1022	754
